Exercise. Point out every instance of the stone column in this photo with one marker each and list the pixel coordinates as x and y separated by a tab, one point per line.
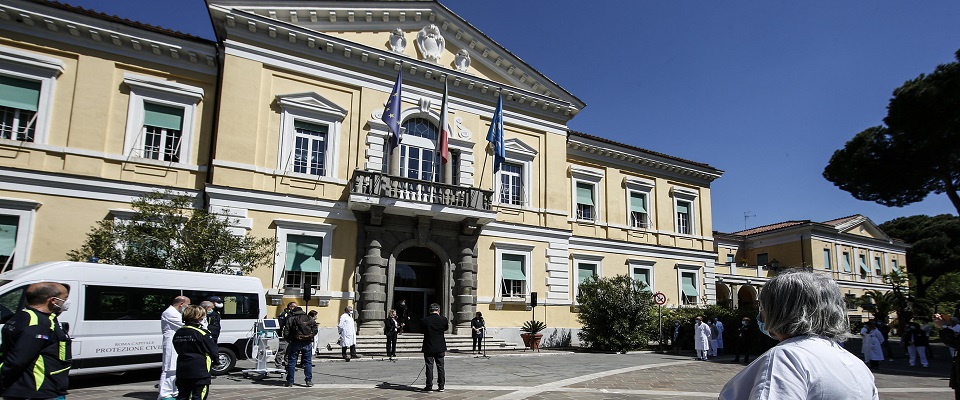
465	296
734	296
373	284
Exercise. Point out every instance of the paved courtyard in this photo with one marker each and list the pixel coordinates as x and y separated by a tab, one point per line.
545	375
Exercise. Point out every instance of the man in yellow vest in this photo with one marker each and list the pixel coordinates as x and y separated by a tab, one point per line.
35	352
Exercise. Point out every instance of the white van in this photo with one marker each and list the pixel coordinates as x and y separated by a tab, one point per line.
114	318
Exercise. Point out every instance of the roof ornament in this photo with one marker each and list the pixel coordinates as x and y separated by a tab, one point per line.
430	43
462	61
398	43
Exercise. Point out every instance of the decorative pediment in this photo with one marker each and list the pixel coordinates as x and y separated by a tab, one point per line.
311	102
862	226
519	148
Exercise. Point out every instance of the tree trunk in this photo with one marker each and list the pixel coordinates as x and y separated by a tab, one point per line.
951	190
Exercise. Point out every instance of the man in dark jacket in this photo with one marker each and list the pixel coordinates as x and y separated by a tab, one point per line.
434	345
281	359
196	352
35	352
744	339
213	317
300	330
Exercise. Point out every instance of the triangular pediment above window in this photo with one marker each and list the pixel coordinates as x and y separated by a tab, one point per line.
311	102
860	225
518	147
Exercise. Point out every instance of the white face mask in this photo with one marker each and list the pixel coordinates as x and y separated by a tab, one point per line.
64	305
218	305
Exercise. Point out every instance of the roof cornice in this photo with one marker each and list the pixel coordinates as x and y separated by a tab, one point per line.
66	26
606	153
280	21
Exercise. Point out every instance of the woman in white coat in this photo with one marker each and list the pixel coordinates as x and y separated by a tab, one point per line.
348	334
872	352
701	339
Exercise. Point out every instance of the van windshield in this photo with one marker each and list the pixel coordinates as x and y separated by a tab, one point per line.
4	282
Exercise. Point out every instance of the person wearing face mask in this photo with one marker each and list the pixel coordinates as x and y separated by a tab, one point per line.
677	337
348	334
701	339
872	339
744	339
170	321
36	352
806	312
213	316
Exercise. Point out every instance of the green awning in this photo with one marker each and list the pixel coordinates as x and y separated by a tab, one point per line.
303	253
512	265
162	116
688	288
683	207
637	201
310	127
584	194
8	234
19	93
846	263
863	266
585	271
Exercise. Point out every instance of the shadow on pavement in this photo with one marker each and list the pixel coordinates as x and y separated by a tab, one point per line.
141	395
393	386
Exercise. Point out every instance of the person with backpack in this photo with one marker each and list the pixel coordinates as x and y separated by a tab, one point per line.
281	358
300	330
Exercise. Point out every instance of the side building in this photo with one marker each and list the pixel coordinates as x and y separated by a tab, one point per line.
280	123
852	250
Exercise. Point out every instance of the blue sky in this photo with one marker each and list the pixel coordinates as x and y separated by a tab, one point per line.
764	90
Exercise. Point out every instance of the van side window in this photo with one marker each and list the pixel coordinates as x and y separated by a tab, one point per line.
235	305
109	303
11	302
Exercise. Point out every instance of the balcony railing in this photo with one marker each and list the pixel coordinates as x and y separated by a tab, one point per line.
382	185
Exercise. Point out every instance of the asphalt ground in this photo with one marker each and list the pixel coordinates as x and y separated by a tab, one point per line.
529	375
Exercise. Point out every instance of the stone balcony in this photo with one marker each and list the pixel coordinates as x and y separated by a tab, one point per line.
414	197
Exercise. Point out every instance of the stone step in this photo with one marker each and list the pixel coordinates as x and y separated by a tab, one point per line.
411	343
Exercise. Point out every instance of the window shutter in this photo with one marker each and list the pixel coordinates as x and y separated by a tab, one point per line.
637	201
512	265
688	288
303	253
8	234
19	93
585	194
162	116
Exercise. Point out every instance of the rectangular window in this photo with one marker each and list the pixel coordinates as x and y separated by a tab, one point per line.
110	303
893	265
303	260
683	217
864	270
688	287
642	275
585	201
763	259
19	99
730	260
455	170
846	262
638	210
827	260
511	184
235	305
310	148
585	271
8	239
877	266
162	132
514	275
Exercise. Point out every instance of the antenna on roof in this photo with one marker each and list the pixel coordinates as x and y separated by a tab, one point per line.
747	214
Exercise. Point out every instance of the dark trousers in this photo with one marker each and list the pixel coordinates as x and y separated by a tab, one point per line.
193	389
304	350
477	342
353	351
742	348
430	359
392	345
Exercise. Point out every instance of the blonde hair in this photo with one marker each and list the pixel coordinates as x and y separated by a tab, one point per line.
193	314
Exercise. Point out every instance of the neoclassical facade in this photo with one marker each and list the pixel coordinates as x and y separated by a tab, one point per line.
279	123
852	250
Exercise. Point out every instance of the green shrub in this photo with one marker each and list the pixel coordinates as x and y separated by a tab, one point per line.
616	314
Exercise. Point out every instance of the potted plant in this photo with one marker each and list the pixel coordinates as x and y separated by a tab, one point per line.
531	333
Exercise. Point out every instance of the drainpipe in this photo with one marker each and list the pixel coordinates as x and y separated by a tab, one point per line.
214	128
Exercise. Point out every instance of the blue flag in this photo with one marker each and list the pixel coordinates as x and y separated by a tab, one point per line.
391	113
495	135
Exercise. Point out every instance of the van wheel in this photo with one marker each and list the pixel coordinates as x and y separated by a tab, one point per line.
228	359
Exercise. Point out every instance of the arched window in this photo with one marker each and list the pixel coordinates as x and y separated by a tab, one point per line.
419	158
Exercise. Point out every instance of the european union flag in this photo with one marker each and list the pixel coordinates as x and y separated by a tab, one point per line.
391	113
495	135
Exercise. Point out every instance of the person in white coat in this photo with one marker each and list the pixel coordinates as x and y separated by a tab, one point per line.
701	339
872	338
348	334
807	313
170	321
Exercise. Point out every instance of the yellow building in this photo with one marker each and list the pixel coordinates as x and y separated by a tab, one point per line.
852	250
280	124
